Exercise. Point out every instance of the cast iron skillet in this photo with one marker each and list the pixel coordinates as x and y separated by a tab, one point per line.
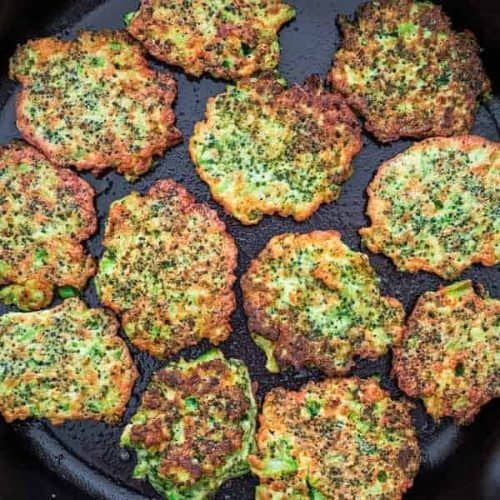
87	453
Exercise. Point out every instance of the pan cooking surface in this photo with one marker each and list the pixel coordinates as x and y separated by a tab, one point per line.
88	452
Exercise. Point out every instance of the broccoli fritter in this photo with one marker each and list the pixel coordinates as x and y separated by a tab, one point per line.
46	212
341	438
225	38
450	354
94	103
64	363
436	206
264	149
168	270
311	301
404	69
195	427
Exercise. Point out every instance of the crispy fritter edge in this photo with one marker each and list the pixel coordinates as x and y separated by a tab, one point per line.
466	39
296	394
139	24
84	193
125	386
187	201
256	314
18	151
100	162
184	366
405	379
375	208
314	90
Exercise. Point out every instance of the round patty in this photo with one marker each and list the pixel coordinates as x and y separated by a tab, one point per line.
65	363
195	426
46	212
404	69
264	149
311	301
168	270
450	355
436	206
94	103
224	38
341	438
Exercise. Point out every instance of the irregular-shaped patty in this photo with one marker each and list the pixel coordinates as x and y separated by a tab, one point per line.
341	438
311	301
195	427
225	38
94	103
450	354
64	363
46	212
436	206
264	149
404	69
168	270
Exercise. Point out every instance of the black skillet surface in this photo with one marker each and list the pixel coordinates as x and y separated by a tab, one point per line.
87	453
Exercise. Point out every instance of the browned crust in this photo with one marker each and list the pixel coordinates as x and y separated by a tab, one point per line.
253	301
217	328
123	379
83	192
46	281
42	280
202	60
99	161
408	459
211	378
291	349
471	71
165	188
329	108
407	370
376	207
124	384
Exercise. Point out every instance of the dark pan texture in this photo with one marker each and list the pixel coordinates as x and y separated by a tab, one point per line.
88	454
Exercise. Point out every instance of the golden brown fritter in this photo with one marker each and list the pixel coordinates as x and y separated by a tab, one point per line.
450	354
65	363
225	38
436	206
311	301
195	427
265	150
168	270
46	212
341	438
94	103
404	69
